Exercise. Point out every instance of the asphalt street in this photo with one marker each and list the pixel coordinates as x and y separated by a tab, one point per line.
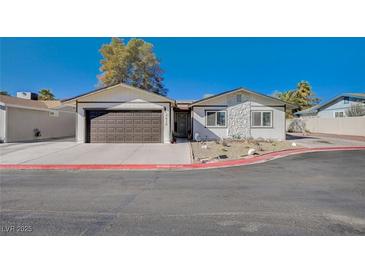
320	193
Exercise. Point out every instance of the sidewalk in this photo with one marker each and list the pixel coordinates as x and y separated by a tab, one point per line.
314	140
338	136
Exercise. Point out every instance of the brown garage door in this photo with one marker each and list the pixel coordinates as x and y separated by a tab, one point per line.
124	126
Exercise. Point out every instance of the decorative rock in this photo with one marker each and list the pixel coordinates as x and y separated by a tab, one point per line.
251	151
197	137
293	144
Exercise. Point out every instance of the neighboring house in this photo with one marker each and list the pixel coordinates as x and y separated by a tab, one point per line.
309	112
31	119
334	108
125	114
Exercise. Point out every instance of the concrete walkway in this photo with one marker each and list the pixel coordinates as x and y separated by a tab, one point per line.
69	152
324	140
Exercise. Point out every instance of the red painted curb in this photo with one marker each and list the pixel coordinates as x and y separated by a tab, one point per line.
240	162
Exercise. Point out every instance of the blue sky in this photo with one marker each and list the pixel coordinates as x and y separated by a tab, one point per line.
193	66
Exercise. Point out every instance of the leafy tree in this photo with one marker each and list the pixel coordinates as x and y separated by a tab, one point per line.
114	64
134	64
45	94
3	92
356	110
303	97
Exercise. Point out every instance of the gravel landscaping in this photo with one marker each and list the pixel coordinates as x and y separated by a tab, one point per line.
211	151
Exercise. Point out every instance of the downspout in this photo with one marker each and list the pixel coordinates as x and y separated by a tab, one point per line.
170	122
5	124
285	122
192	122
250	118
77	121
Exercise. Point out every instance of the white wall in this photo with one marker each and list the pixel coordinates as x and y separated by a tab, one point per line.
22	122
209	133
277	131
341	125
239	117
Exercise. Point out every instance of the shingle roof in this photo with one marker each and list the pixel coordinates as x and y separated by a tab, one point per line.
248	91
95	91
354	95
316	108
10	100
184	101
311	110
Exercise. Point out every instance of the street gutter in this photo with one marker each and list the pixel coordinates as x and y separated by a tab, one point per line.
249	160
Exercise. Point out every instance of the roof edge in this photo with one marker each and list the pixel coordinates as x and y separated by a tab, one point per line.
346	94
242	89
112	86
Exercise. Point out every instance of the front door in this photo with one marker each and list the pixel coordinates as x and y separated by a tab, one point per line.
182	124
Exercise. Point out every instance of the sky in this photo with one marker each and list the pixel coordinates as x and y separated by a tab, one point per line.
193	66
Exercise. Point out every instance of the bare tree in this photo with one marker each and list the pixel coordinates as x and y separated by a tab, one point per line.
356	110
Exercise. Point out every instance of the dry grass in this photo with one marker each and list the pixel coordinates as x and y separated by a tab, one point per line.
232	149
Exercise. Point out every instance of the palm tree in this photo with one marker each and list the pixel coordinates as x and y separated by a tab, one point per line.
45	94
3	92
302	96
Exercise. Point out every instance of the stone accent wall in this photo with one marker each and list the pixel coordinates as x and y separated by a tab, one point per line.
239	119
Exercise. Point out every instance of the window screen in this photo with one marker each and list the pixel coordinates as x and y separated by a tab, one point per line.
211	118
221	118
266	119
256	119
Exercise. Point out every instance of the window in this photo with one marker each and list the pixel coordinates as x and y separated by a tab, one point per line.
261	118
339	114
215	118
346	100
239	98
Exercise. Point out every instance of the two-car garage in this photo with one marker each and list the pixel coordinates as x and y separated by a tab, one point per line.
122	114
128	126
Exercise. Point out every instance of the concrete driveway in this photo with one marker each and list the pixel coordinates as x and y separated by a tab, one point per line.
70	152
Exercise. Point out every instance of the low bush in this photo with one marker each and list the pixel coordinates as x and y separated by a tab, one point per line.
297	125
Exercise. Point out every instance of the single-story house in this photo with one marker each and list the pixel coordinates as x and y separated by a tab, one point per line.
334	108
31	119
125	114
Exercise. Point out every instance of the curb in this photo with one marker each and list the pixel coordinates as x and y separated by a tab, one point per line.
229	163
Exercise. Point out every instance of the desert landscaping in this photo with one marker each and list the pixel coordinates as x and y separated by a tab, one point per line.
227	149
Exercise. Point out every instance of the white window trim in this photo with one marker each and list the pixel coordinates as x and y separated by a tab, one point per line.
215	126
262	119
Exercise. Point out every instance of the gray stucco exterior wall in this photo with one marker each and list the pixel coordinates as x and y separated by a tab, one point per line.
239	118
22	122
